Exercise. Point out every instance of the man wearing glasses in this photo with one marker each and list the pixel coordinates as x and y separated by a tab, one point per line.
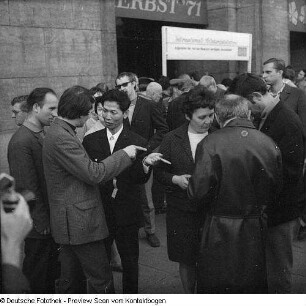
145	118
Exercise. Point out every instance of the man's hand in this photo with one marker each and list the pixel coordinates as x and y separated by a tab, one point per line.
15	226
131	151
181	180
153	159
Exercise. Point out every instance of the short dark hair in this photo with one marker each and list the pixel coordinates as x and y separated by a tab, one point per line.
102	86
115	95
19	99
37	96
75	102
195	75
198	97
227	82
247	83
231	106
289	73
278	63
94	90
164	81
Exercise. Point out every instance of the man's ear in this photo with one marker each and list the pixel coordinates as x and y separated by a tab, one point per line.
187	117
217	118
126	114
256	97
36	108
249	114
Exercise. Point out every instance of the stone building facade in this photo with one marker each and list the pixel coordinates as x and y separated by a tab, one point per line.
58	44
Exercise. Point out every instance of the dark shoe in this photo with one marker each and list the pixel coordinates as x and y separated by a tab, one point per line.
153	240
116	267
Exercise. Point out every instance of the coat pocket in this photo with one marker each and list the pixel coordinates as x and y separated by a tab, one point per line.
84	219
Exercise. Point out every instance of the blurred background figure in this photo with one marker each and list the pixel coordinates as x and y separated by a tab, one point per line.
19	111
300	76
289	76
93	123
15	226
143	83
226	83
175	116
98	109
210	83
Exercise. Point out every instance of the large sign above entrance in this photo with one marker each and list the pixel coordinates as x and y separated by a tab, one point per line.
183	11
195	44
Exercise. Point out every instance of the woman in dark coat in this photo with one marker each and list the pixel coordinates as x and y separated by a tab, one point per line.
182	217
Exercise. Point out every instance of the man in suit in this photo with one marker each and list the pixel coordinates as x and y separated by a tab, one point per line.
25	162
121	197
146	119
77	216
293	98
285	128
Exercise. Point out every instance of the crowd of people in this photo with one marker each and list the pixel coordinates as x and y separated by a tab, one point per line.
230	158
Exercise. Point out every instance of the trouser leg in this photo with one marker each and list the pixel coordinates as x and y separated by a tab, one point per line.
128	247
148	207
40	265
95	265
279	256
72	279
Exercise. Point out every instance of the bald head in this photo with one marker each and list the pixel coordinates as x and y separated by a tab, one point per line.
154	91
208	82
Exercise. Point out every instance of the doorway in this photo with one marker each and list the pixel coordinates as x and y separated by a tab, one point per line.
139	46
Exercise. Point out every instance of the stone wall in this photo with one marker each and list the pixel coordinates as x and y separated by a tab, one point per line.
54	44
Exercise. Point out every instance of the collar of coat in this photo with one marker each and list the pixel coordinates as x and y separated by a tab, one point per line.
238	122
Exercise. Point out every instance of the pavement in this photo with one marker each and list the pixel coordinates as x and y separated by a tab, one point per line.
158	275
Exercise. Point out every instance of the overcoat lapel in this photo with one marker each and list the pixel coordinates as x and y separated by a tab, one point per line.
271	117
121	142
285	93
138	107
104	144
182	134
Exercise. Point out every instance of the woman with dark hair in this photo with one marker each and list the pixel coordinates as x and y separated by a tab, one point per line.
182	217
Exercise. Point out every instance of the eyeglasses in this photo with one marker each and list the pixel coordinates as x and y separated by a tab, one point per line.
122	85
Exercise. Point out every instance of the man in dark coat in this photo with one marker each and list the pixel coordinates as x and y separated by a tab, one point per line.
77	216
284	127
237	174
25	160
122	196
146	119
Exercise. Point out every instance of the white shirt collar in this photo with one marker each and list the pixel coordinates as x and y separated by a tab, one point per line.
112	139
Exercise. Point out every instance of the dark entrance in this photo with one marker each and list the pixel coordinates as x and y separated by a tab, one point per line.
139	46
298	50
